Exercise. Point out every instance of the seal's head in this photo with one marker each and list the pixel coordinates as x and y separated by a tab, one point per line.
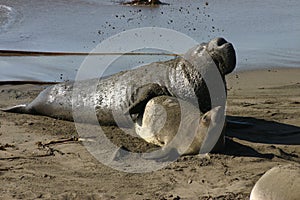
208	133
221	51
223	54
211	126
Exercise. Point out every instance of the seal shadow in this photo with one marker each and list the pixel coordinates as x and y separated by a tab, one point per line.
233	148
264	131
260	131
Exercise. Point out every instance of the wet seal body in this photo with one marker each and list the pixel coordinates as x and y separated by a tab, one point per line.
129	91
179	126
280	182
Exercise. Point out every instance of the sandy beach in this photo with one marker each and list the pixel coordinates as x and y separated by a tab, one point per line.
267	98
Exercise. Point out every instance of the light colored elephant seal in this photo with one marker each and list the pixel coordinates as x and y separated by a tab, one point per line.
129	91
180	127
279	183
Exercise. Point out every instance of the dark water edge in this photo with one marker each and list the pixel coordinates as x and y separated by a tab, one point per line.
265	33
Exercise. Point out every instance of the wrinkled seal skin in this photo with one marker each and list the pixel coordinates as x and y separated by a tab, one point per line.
180	128
129	91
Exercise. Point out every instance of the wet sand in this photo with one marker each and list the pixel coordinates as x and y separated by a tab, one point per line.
269	99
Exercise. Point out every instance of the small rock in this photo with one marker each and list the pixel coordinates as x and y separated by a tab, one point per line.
18	94
273	114
295	102
139	193
176	198
30	123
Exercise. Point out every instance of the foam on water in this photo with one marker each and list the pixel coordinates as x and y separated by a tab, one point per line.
8	17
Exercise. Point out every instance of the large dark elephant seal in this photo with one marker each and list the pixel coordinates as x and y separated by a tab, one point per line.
180	128
129	91
280	182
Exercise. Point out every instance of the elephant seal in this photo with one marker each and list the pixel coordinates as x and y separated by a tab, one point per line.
119	98
280	182
180	128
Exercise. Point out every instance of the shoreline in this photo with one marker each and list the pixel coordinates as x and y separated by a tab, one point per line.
41	82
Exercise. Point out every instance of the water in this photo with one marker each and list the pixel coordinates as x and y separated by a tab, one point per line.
264	33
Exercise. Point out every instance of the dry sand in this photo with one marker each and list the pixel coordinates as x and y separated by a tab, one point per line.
270	99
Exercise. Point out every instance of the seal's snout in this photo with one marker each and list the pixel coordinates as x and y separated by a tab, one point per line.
219	41
216	44
223	54
214	139
217	114
213	117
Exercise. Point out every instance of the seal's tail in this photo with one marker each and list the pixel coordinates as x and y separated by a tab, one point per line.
17	109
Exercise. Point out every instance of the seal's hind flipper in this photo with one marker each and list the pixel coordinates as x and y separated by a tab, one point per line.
140	97
16	109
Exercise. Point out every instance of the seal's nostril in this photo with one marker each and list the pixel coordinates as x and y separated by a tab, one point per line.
220	41
216	43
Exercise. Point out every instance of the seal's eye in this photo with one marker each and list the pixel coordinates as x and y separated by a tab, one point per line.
205	118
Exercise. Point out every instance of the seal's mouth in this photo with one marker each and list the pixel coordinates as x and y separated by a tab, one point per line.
223	54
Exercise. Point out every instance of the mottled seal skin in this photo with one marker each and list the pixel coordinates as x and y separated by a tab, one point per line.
166	117
279	183
129	91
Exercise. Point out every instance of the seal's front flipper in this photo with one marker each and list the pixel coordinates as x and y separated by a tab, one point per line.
140	97
23	108
120	153
163	155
